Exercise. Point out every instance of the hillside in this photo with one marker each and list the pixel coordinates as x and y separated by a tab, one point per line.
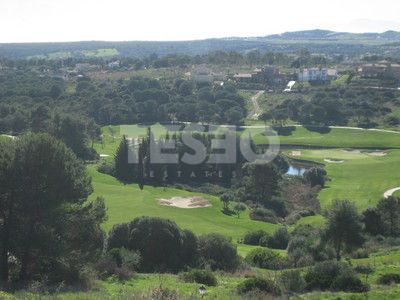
316	40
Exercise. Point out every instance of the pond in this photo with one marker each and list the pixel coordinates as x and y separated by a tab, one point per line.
295	170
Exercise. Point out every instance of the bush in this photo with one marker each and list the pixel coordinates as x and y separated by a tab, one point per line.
162	245
322	275
264	240
364	269
292	281
218	253
263	214
107	167
335	276
253	237
200	276
391	278
266	259
121	263
349	282
315	176
260	284
280	239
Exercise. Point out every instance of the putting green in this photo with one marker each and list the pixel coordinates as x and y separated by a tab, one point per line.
362	177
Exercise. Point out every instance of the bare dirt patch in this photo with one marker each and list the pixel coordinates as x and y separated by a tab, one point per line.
185	202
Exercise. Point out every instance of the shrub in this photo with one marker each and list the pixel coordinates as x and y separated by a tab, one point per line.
364	269
315	176
292	281
263	214
200	276
266	259
360	253
323	274
162	245
264	240
218	253
391	278
333	275
348	282
119	262
280	239
253	237
107	167
260	284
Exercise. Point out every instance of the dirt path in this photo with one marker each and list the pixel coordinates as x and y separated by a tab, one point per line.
256	111
390	192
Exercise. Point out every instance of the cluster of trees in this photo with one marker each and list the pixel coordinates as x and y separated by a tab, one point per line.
137	100
191	166
337	106
47	229
384	219
164	247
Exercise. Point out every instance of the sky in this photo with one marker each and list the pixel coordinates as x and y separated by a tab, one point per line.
126	20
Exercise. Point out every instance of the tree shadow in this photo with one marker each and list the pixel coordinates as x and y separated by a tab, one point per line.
227	211
319	129
284	130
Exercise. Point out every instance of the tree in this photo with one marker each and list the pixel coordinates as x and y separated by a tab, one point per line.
53	230
239	207
226	198
389	209
280	239
217	252
72	131
124	169
343	227
162	245
372	220
7	182
315	176
262	181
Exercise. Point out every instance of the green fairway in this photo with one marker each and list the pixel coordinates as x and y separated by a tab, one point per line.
126	202
336	137
362	177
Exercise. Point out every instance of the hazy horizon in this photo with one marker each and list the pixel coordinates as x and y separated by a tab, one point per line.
27	21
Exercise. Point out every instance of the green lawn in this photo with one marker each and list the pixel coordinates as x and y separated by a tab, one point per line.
362	177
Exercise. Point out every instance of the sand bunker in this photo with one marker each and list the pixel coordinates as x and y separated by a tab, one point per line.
333	161
185	202
372	152
354	151
377	153
296	153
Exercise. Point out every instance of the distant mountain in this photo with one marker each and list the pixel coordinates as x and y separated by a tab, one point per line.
317	41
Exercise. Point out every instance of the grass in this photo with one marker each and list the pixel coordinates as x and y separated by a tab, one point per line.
126	202
382	263
336	137
300	136
100	52
362	177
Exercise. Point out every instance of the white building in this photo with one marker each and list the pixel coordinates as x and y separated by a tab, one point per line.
313	74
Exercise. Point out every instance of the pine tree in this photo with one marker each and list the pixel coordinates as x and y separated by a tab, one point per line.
124	171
